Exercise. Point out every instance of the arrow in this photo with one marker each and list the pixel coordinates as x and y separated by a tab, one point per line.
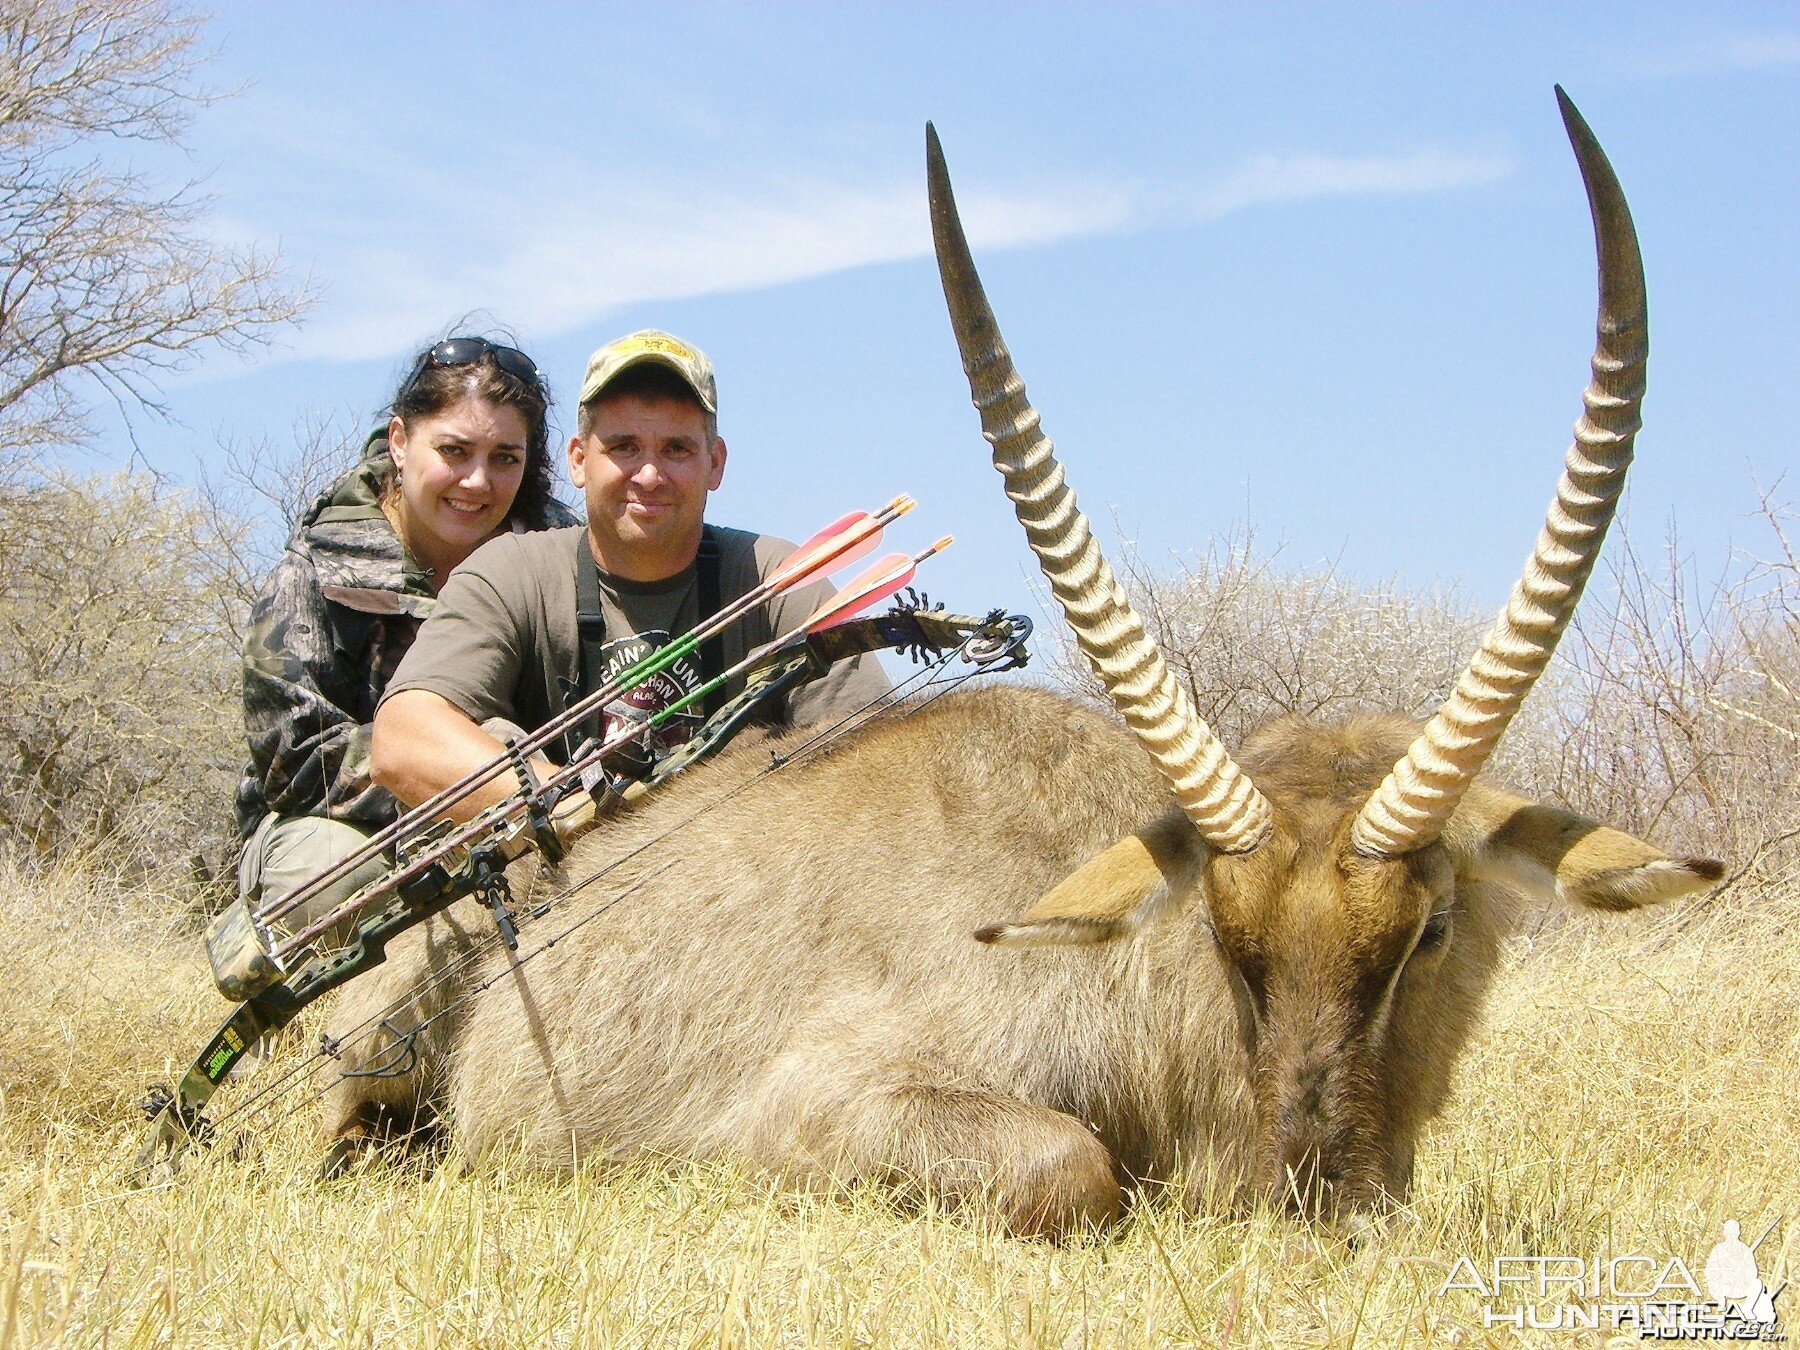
885	578
800	560
879	582
832	548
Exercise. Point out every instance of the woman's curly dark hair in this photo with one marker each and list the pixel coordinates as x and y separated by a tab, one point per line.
430	388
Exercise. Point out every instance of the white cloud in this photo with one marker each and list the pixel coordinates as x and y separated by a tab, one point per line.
1722	55
569	258
562	264
1771	49
1269	179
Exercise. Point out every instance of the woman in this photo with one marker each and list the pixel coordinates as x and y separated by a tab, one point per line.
464	456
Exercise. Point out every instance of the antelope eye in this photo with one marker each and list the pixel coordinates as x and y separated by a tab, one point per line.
1437	928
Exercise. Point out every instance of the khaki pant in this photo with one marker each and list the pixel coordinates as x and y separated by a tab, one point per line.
287	851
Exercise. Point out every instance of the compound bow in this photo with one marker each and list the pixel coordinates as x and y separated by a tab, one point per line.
275	977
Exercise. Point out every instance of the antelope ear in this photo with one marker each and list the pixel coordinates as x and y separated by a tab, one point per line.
1543	851
1112	894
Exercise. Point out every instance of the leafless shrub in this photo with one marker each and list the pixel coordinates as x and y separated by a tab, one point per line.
1679	709
119	717
122	605
1672	708
1252	642
105	272
261	488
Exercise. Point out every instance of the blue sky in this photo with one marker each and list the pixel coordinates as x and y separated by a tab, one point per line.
1321	270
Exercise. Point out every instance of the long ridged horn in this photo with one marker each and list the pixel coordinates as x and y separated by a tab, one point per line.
1414	802
1221	801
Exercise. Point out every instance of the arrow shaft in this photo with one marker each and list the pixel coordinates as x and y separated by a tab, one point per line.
827	550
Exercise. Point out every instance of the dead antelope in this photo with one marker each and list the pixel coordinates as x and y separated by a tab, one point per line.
1265	985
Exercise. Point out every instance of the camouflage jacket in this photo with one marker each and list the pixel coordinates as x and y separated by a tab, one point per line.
325	635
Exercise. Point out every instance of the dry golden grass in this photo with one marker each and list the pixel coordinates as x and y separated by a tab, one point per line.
1635	1087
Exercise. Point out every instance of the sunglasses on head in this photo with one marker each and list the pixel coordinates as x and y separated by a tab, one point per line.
466	351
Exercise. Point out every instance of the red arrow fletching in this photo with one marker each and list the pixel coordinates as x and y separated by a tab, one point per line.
856	535
885	578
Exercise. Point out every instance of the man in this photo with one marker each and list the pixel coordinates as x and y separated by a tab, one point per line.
505	641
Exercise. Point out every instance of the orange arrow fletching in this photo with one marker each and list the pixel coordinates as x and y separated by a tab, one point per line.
834	533
832	530
885	578
831	549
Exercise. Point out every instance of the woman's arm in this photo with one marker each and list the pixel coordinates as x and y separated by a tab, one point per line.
308	748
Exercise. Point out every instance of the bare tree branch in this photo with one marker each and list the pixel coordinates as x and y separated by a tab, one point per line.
104	273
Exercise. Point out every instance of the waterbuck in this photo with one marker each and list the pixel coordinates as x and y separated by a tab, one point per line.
976	953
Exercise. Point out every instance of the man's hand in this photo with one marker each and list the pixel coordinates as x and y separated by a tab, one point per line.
422	743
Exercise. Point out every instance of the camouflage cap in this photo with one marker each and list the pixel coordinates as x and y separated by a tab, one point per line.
649	344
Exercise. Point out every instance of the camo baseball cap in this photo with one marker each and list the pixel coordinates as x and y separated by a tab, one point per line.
650	344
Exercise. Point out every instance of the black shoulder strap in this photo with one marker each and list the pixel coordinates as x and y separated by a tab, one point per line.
712	651
590	625
590	618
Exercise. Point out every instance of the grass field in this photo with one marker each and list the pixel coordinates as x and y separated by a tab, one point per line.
1633	1089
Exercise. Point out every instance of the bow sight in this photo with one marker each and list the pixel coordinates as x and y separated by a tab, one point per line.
273	974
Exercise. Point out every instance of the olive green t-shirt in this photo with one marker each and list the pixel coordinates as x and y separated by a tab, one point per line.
503	640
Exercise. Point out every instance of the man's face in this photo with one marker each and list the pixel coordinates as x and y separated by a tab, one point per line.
645	466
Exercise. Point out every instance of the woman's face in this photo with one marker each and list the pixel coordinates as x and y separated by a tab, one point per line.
459	472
